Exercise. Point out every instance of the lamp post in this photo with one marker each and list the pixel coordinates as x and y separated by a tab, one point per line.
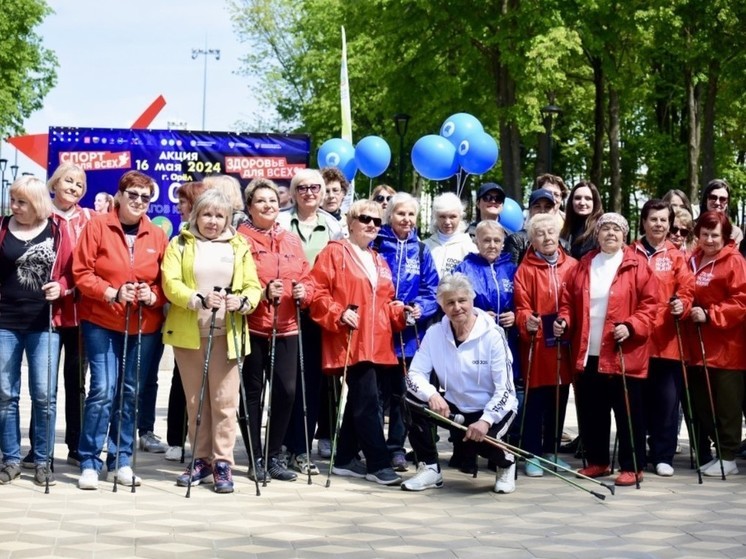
3	165
206	53
549	113
401	121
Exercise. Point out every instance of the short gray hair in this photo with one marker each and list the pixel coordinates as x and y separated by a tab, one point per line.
452	283
490	225
446	202
542	220
399	199
211	198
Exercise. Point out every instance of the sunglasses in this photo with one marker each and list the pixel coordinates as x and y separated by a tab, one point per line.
380	198
683	231
721	199
367	219
493	198
134	196
313	188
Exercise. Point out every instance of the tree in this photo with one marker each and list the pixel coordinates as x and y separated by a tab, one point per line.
27	69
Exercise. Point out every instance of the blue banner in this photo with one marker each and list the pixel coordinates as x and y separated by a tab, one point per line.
173	157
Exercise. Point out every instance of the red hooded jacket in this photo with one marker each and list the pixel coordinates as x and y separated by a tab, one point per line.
538	287
339	280
73	227
633	300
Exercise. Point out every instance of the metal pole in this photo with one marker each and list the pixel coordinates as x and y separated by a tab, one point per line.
205	52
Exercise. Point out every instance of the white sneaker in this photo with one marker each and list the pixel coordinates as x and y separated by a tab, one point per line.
124	477
729	467
88	479
703	467
173	453
427	477
663	469
505	479
325	448
150	442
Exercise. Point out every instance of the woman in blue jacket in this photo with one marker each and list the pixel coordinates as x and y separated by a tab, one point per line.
415	282
491	273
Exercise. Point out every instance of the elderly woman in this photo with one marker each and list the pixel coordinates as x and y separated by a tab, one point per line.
315	228
471	359
354	302
206	254
610	307
539	283
337	186
35	256
117	269
716	198
581	214
415	281
231	189
718	313
283	272
681	232
68	185
381	196
675	290
448	241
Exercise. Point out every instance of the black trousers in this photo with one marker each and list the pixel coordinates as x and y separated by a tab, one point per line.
539	430
662	396
176	427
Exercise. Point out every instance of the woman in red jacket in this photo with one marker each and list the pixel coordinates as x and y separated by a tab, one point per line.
538	285
611	301
117	269
676	287
718	310
283	272
354	293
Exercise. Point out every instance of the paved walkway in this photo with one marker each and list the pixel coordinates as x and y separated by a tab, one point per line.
545	517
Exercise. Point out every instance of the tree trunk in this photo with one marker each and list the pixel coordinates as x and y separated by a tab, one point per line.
614	155
598	121
709	171
693	102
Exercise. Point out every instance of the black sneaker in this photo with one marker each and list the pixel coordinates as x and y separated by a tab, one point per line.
223	477
73	458
384	476
28	461
278	470
40	476
257	473
9	472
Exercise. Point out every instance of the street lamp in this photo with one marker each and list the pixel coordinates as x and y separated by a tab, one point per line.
548	113
401	121
3	165
206	53
14	171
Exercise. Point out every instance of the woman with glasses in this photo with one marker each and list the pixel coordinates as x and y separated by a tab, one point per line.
675	288
117	268
715	198
381	196
315	228
490	200
354	302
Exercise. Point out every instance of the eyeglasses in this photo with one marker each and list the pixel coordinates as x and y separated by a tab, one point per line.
683	231
720	199
313	188
367	219
380	198
493	198
134	196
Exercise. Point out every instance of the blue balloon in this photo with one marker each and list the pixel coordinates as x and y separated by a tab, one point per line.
338	153
511	218
434	158
372	156
460	126
478	153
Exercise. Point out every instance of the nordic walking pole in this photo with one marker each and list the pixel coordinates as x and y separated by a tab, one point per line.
239	365
272	348
342	402
49	404
303	385
506	447
198	421
628	409
127	311
712	401
694	444
532	343
613	451
137	392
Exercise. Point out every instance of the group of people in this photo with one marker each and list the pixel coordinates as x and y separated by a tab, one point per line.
277	304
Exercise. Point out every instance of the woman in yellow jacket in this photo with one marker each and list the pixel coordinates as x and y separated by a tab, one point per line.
209	254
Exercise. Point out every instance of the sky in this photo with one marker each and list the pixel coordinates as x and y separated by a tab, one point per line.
115	58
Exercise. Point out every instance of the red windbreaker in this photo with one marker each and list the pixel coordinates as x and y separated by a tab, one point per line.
73	227
633	300
102	259
277	254
339	280
720	289
537	287
669	266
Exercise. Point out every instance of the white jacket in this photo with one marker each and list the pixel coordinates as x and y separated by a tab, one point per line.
476	375
448	255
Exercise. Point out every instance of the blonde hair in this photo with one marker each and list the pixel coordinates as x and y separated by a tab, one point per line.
257	184
65	169
210	199
229	186
360	207
36	194
307	174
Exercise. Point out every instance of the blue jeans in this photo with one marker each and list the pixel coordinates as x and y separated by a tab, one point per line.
101	413
13	343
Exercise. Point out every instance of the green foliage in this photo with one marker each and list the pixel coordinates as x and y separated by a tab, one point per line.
27	69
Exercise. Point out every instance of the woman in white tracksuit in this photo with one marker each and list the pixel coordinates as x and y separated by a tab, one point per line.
470	356
448	242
